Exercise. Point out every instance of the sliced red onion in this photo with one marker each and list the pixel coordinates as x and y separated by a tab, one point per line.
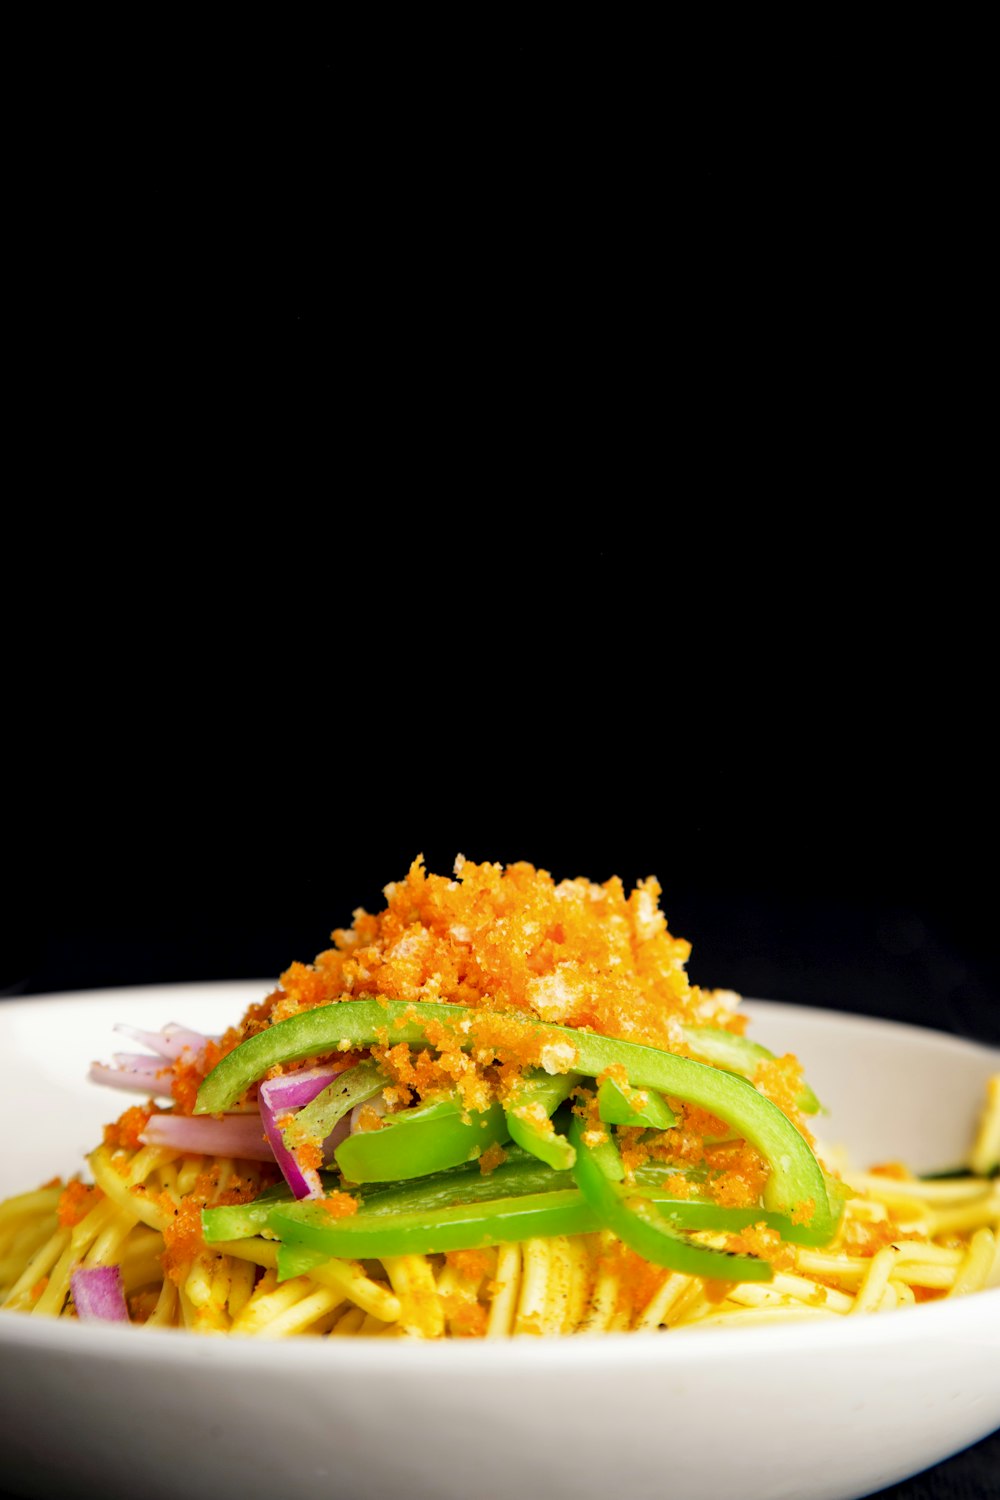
294	1090
151	1082
98	1295
277	1098
141	1062
233	1135
170	1042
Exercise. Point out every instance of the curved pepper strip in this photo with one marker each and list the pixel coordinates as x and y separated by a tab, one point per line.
461	1227
628	1106
796	1179
598	1170
427	1138
738	1054
521	1175
241	1221
536	1091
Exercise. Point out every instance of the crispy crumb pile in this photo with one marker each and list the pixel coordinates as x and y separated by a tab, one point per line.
518	947
511	940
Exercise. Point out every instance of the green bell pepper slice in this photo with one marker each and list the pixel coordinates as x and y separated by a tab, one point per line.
537	1089
469	1226
598	1170
796	1178
738	1054
628	1106
241	1221
431	1136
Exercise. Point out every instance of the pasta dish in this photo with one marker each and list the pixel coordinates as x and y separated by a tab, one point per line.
499	1107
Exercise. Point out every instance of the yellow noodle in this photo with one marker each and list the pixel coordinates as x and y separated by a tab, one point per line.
241	1282
29	1205
21	1246
507	1289
348	1277
985	1155
118	1189
530	1315
38	1267
412	1279
261	1252
350	1323
876	1280
663	1299
298	1317
977	1264
606	1290
51	1301
164	1314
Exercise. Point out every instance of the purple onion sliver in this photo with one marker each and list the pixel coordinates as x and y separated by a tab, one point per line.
170	1042
234	1135
303	1181
142	1062
132	1082
293	1090
98	1295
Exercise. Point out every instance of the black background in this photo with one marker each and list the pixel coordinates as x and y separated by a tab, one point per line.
485	447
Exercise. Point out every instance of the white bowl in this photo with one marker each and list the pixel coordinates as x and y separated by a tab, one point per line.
808	1411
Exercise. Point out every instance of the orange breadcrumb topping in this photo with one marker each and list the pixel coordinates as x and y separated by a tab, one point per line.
780	1078
471	1265
467	1318
76	1201
369	1118
182	1233
491	1158
124	1133
505	941
339	1205
189	1072
638	1279
759	1240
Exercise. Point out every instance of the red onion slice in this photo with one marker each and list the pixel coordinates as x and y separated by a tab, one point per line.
234	1135
279	1097
98	1295
151	1082
294	1090
171	1042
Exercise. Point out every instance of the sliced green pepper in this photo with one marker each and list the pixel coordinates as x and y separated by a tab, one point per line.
461	1227
795	1180
431	1209
598	1170
535	1091
522	1173
434	1135
738	1054
628	1106
241	1221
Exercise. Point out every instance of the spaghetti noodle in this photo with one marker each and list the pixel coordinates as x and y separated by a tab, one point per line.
497	1109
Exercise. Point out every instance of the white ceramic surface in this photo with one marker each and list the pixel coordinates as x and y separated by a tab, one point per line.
826	1411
